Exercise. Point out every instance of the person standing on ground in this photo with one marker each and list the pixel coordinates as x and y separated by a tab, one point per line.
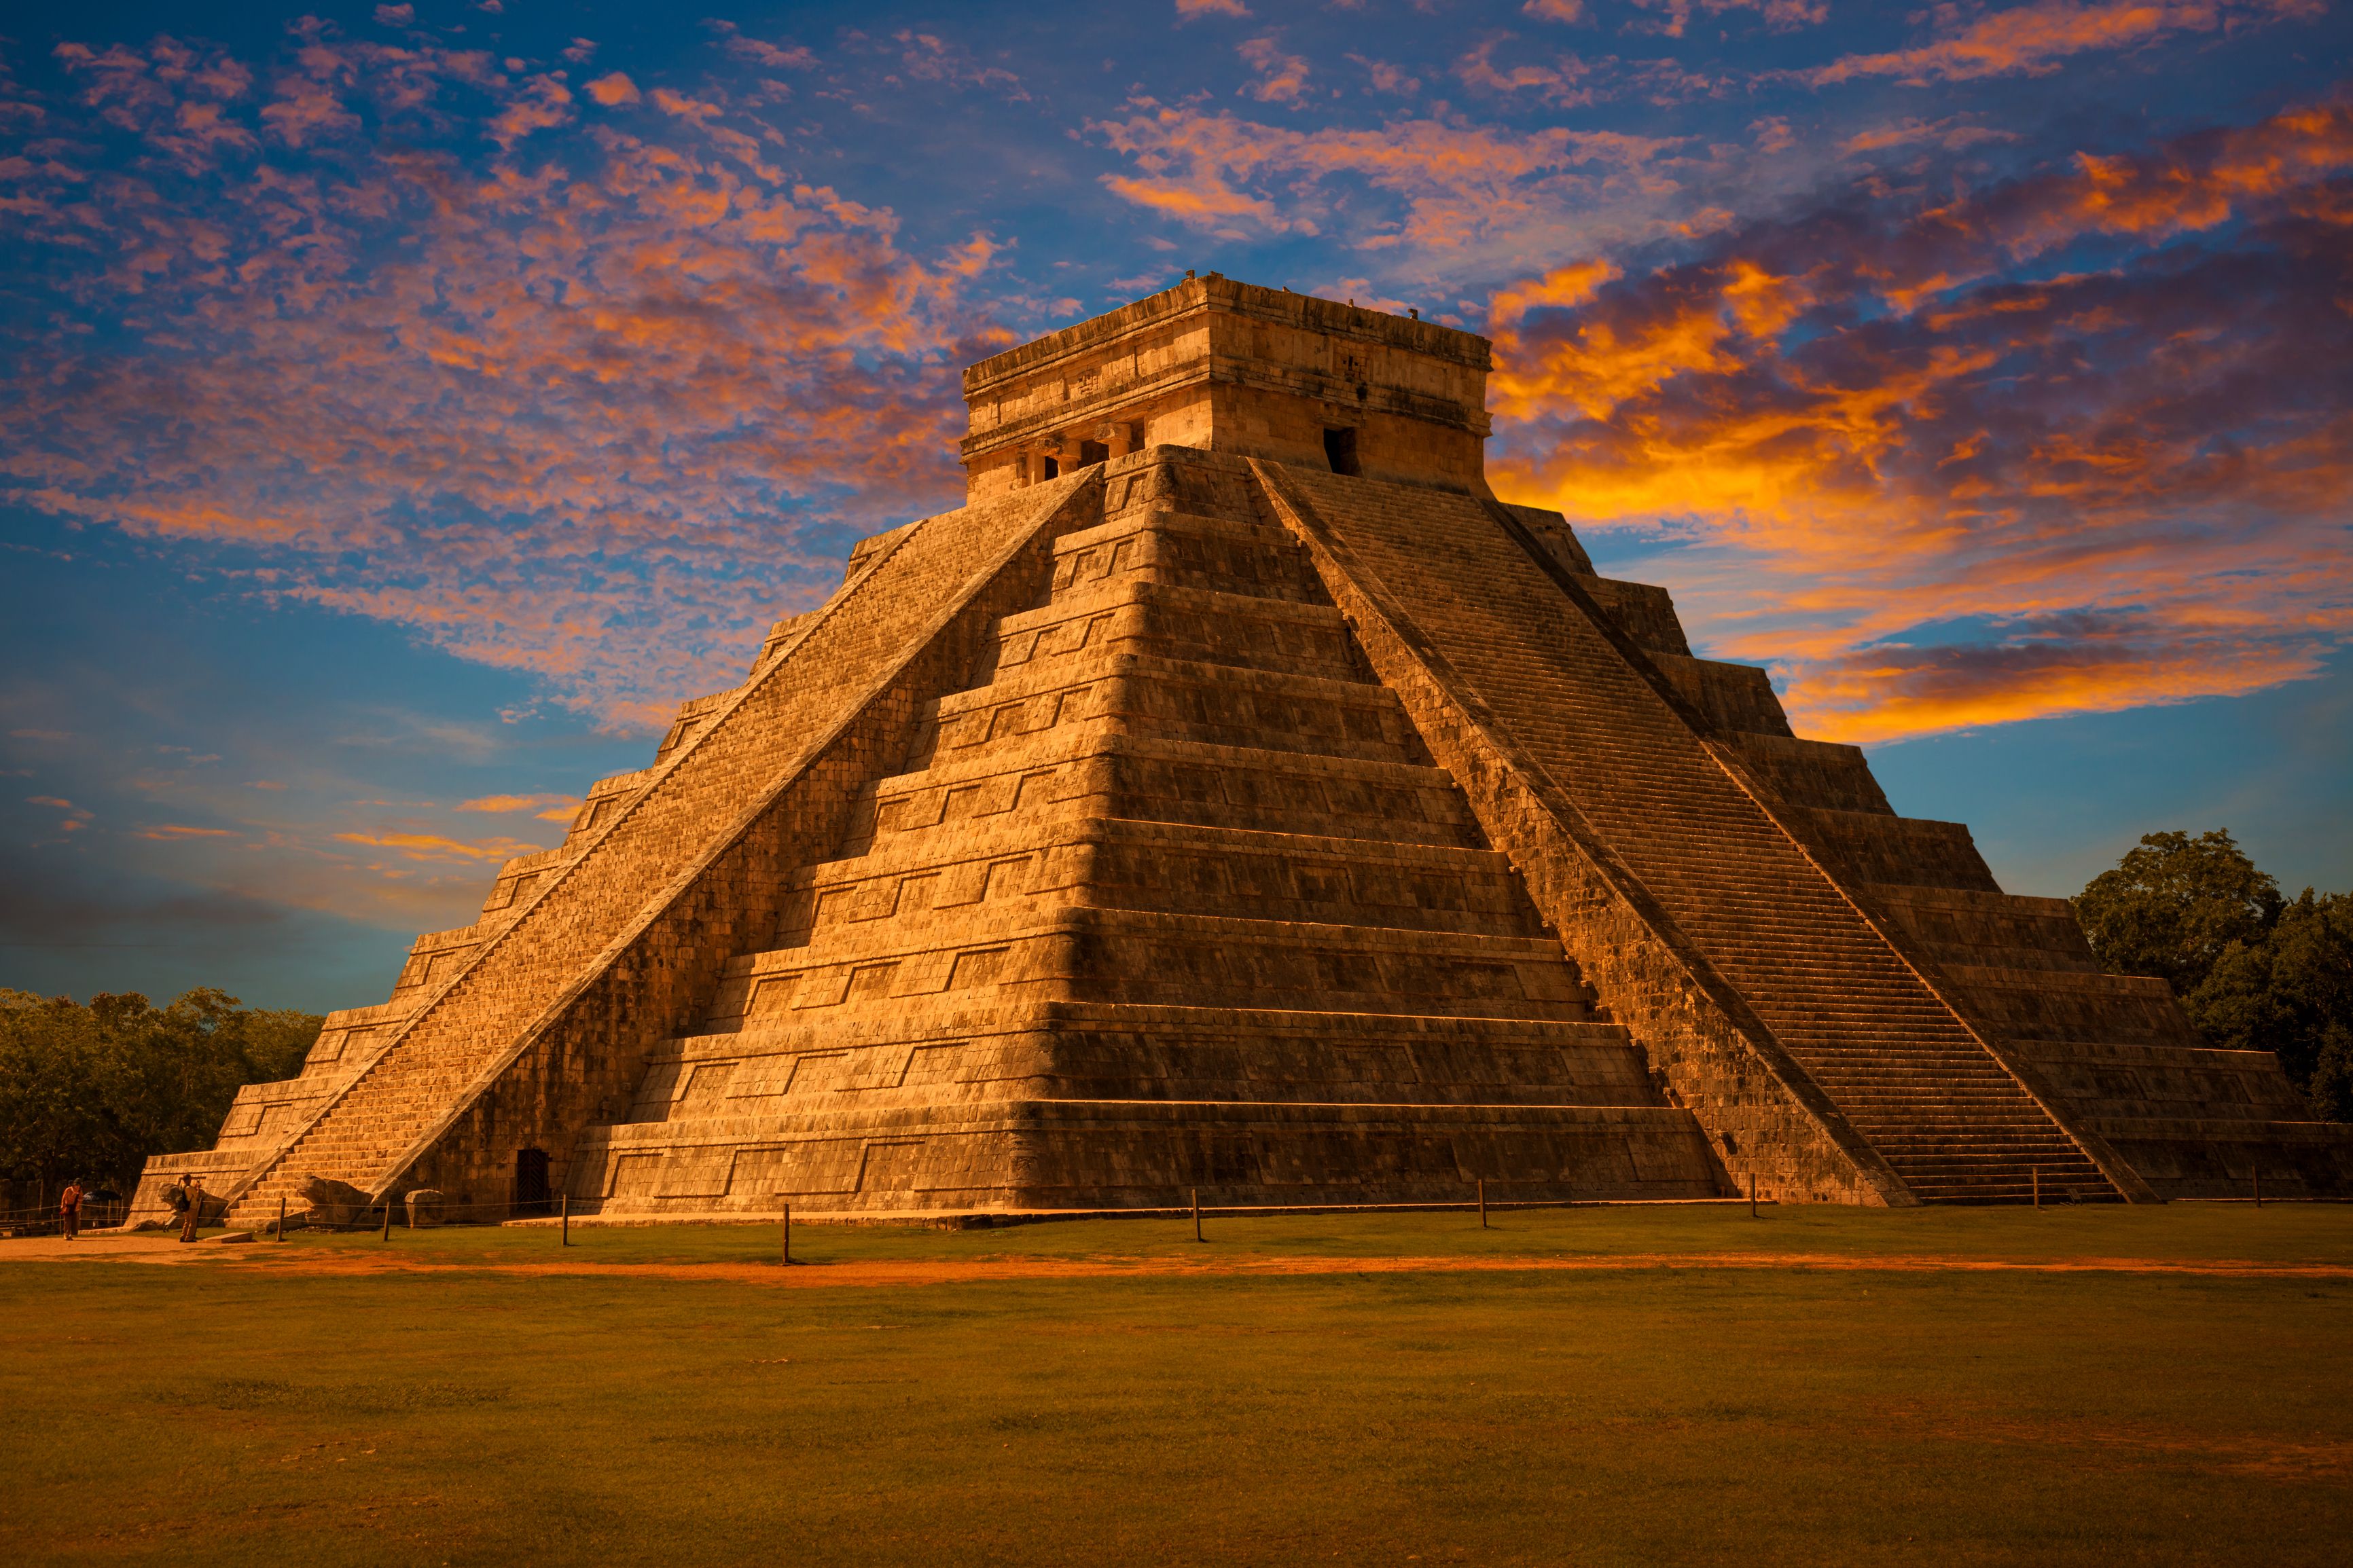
183	1206
70	1210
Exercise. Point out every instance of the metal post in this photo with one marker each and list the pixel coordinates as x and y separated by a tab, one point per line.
2038	1186
1482	1203
788	1236
1752	1195
281	1216
1197	1214
387	1215
564	1207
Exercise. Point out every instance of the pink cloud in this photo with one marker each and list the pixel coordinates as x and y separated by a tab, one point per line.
545	417
2032	39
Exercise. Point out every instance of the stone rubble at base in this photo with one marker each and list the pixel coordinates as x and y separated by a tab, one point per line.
1234	797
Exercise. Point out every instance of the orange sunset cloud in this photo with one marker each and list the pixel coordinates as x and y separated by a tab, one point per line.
2125	475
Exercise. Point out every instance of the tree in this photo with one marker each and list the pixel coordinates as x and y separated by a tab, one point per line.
2253	971
2174	906
2291	992
94	1091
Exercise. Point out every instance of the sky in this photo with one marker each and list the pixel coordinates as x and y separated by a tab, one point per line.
409	406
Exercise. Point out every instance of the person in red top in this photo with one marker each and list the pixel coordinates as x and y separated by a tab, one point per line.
70	1210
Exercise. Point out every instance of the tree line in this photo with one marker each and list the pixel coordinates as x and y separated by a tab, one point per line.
2254	970
91	1089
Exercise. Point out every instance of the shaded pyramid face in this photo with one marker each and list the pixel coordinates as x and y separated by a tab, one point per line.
1169	897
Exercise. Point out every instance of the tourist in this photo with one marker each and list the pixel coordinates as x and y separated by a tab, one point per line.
187	1198
70	1210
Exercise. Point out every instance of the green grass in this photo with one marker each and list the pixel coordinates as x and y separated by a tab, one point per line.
241	1410
2279	1233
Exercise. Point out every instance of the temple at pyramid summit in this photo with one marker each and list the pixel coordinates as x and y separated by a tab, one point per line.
1233	796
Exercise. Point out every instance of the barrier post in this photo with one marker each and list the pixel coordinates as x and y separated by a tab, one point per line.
788	1236
564	1208
281	1216
2038	1186
1482	1203
1197	1214
1752	1195
387	1214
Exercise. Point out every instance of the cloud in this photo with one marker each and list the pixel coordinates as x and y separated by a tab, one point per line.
2033	39
1282	78
1193	10
544	104
684	108
76	818
546	807
1675	15
2070	442
433	846
1459	186
612	90
928	57
775	56
1573	81
1384	76
171	830
1555	10
601	418
1952	133
395	15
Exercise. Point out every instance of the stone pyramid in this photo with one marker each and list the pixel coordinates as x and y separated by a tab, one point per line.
1233	796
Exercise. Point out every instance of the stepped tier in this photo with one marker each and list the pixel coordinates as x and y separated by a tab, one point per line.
1261	809
1149	1102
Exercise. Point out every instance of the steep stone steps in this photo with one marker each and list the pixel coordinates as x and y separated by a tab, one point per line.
617	901
1732	881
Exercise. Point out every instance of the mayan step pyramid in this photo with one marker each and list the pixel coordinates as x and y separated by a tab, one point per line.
1234	797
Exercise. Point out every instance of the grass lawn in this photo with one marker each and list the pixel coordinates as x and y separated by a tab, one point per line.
262	1404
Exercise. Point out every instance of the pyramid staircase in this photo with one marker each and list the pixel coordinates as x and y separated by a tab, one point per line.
1951	1121
519	1029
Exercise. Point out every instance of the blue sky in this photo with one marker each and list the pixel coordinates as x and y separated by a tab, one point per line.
410	405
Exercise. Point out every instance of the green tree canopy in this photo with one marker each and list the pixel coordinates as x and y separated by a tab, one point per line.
2253	971
92	1090
2174	906
2291	992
